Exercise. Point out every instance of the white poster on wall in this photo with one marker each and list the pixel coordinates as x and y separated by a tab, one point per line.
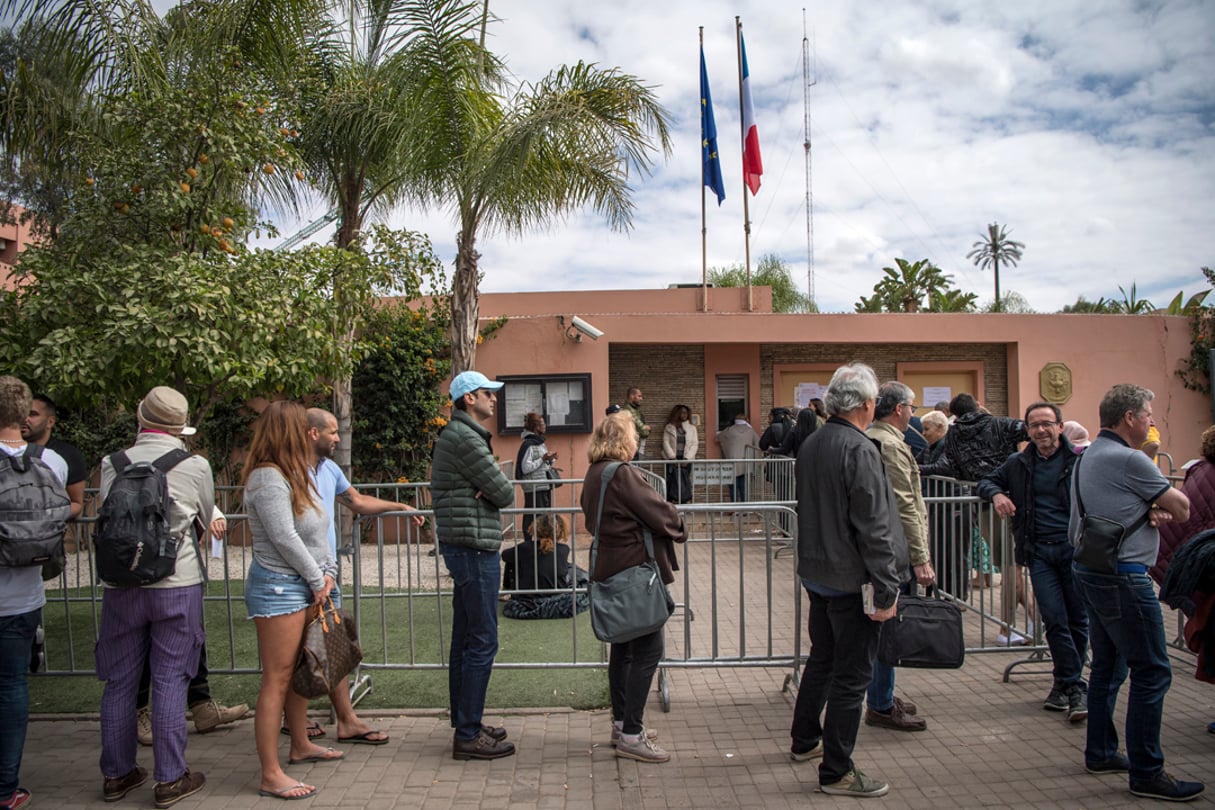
936	393
807	391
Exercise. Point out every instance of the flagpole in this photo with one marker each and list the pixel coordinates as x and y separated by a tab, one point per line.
704	242
743	130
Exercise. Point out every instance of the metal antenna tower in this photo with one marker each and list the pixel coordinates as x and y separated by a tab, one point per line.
806	73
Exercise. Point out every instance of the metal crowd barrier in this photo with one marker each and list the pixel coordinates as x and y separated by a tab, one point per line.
740	602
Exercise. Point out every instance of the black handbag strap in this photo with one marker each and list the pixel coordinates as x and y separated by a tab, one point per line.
1128	531
609	472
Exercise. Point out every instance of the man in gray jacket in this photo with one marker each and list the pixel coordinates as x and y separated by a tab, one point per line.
850	539
468	490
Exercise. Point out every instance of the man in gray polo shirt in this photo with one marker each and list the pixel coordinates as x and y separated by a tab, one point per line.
1113	480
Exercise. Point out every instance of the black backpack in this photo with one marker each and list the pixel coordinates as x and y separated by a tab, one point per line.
34	510
133	542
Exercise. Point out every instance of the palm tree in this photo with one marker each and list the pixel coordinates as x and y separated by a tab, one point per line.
1084	306
1131	303
994	249
906	288
770	271
506	160
952	300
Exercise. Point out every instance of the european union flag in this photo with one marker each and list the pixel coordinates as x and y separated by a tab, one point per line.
710	162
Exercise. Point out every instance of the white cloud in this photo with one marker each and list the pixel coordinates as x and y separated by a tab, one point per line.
1086	129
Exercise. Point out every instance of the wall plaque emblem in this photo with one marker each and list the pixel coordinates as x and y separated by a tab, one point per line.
1055	383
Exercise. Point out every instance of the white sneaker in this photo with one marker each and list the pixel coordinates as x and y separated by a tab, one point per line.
143	725
1016	640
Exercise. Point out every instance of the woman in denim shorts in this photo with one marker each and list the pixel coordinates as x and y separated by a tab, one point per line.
293	567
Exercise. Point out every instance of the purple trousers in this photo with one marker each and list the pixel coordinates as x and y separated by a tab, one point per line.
163	625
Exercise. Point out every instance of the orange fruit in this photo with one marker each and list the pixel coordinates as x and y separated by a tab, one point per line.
203	159
228	223
193	172
88	181
185	187
299	175
268	168
216	232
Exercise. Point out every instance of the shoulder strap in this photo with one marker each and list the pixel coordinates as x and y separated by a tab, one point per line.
119	461
171	459
33	451
1129	530
609	472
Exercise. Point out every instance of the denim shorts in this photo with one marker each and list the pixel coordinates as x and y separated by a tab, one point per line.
269	593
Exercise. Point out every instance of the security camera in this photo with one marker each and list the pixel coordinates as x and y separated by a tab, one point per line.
586	329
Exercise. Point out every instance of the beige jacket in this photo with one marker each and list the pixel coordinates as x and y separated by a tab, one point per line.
193	489
904	475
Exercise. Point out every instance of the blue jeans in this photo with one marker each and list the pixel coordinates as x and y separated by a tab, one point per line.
1126	632
474	634
16	644
880	697
738	492
1050	574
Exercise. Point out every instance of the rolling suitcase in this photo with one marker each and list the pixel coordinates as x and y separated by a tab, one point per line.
925	633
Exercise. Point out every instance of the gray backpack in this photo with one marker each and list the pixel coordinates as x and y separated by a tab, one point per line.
34	510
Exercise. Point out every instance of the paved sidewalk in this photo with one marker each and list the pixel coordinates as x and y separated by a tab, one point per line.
988	744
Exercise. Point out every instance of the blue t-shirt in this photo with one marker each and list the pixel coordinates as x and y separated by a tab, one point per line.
330	482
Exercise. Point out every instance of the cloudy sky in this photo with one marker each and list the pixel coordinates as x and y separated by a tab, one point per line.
1087	128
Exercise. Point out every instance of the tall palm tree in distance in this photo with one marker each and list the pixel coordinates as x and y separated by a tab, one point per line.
993	250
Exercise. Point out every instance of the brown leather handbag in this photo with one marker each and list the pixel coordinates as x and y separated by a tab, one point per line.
329	653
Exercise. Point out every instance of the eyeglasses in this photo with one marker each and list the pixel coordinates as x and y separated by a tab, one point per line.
1041	425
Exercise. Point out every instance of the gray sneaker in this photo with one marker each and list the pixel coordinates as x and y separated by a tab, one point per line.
650	734
856	783
815	752
641	748
1077	705
1056	701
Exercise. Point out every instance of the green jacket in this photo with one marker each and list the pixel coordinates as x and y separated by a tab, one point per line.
463	468
643	430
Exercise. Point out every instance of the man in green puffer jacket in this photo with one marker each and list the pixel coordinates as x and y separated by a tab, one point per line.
468	490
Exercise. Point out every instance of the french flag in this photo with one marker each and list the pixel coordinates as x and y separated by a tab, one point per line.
753	165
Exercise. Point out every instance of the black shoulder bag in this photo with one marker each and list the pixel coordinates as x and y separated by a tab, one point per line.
1101	539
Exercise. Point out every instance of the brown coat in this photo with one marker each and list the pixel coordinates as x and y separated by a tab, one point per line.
629	504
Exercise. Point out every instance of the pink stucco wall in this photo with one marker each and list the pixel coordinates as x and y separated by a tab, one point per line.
1100	350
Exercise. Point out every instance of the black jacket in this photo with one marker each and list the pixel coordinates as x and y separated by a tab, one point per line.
1015	478
976	444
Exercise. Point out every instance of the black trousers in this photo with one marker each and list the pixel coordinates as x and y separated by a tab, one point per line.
631	667
843	645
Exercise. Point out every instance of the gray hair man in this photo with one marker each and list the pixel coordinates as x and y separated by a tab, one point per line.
849	538
1114	481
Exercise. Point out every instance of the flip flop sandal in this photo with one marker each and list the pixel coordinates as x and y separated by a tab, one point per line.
315	731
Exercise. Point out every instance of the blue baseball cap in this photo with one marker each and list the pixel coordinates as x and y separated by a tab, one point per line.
468	381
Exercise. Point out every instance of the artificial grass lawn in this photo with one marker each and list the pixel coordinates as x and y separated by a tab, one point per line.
70	634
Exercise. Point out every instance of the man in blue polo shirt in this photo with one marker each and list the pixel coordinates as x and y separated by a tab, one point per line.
332	486
1113	480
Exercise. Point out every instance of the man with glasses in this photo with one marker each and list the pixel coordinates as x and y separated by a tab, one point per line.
1114	481
891	416
468	490
1033	489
